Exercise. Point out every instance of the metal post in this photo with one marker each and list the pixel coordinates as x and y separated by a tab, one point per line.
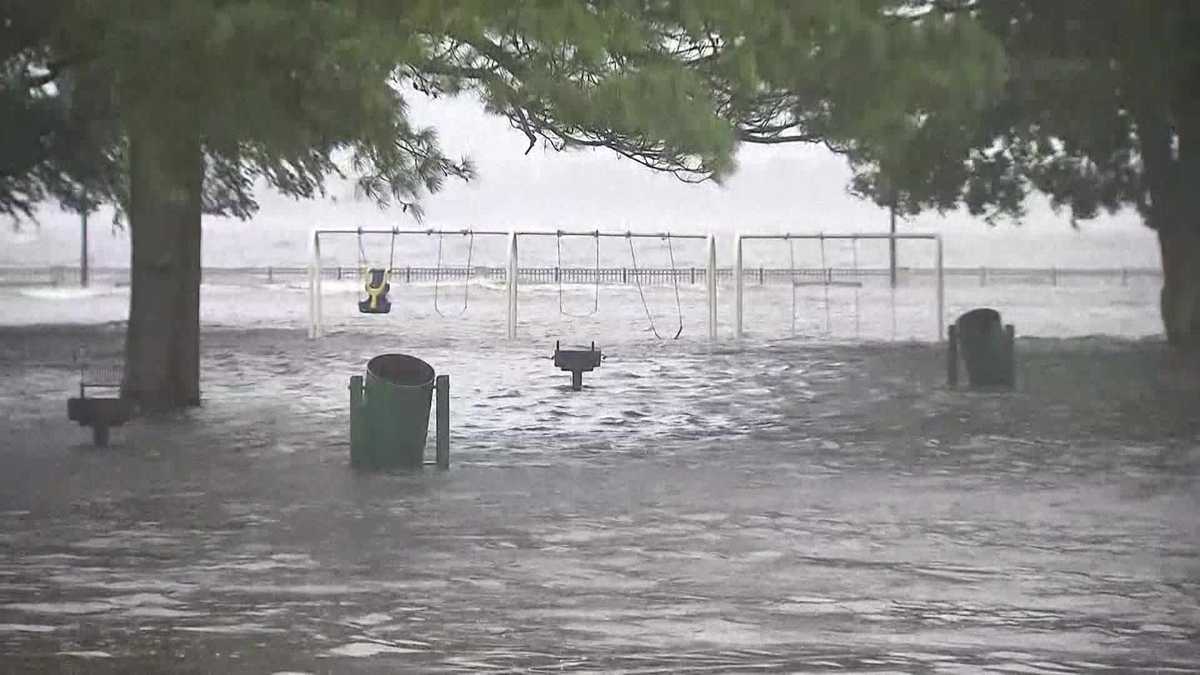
512	286
320	298
941	289
442	384
892	246
952	357
358	424
1010	349
710	279
314	289
737	275
83	249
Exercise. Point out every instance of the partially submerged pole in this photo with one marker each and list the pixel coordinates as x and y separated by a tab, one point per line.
952	356
513	270
83	248
892	246
1010	353
710	284
737	276
442	386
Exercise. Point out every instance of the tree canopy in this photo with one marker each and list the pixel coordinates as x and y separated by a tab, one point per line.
282	90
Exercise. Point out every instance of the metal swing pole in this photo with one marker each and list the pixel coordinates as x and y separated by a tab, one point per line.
314	288
737	275
512	285
941	291
710	278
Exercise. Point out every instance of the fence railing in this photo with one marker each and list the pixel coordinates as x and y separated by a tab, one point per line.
984	276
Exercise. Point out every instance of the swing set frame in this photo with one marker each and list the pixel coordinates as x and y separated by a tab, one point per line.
739	272
512	282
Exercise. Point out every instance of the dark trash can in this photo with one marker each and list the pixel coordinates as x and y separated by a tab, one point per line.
389	412
987	349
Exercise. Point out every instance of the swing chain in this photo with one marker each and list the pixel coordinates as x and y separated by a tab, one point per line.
595	299
641	294
437	273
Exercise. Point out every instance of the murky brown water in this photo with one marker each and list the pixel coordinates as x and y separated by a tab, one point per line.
786	507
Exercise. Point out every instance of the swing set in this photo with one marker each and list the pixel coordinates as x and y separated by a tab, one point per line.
376	280
827	279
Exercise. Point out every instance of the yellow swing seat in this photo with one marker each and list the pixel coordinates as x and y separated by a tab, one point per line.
375	283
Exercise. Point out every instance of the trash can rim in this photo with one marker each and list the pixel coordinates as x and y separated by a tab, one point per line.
416	372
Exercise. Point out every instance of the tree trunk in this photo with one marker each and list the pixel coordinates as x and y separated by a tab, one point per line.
1180	248
162	341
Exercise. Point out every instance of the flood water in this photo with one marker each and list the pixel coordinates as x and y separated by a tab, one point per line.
813	503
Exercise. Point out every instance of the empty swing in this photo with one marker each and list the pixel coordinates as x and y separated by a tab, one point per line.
674	278
375	280
596	293
437	275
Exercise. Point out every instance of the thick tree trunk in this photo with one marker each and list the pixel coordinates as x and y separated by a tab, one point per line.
1180	248
162	341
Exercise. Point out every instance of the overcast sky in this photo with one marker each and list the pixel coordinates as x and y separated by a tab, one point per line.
778	188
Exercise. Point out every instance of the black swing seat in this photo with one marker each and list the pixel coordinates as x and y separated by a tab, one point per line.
377	288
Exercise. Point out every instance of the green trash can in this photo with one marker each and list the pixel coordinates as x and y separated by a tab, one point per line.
987	348
389	412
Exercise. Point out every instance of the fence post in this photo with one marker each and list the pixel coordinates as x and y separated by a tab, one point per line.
1053	276
983	276
1124	276
760	276
270	274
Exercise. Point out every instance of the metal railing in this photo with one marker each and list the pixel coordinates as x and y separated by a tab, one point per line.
60	276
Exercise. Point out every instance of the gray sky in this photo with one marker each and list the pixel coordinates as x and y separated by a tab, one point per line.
778	188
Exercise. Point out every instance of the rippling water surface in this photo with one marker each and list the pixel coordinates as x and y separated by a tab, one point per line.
789	504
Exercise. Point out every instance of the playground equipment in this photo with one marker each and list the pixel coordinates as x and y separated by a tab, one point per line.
99	413
512	281
389	414
637	278
578	361
558	266
375	281
710	272
827	279
825	282
437	276
988	349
